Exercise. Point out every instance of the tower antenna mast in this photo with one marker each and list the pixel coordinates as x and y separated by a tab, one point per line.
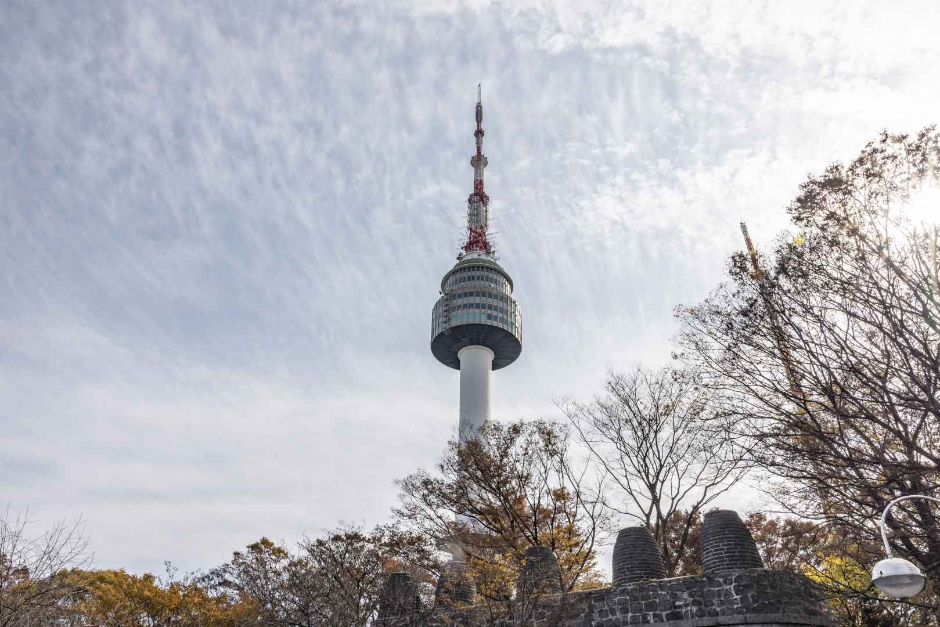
478	203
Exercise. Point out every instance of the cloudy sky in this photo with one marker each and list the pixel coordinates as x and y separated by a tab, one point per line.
223	224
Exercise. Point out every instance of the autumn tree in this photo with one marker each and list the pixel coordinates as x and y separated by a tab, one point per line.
787	543
683	536
33	585
266	574
657	435
330	581
351	567
511	487
115	598
831	559
830	350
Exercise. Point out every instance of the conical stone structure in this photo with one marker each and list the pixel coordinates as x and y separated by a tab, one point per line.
637	557
540	572
399	599
727	543
454	586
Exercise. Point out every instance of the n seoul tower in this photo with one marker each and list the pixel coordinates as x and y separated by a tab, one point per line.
476	326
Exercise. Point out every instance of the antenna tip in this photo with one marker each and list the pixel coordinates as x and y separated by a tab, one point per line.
479	93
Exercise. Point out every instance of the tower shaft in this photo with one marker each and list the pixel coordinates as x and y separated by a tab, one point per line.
476	367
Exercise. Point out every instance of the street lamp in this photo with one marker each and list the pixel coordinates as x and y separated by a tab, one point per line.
895	576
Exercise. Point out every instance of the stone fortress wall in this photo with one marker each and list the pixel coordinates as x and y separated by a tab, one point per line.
735	589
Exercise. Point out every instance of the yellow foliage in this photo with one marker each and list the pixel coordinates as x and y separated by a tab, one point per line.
840	573
119	599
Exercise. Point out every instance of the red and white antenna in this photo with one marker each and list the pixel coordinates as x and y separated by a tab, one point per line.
478	203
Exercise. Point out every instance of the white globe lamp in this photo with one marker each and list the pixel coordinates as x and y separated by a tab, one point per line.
896	576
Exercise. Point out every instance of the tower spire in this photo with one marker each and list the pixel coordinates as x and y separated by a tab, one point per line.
476	324
478	203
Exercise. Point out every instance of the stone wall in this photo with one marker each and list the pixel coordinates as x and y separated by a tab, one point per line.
751	597
735	590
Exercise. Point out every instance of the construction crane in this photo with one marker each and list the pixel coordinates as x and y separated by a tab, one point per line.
779	337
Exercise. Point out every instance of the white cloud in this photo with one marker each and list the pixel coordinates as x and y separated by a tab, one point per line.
222	226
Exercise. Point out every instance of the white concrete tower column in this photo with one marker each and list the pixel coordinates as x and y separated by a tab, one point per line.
476	367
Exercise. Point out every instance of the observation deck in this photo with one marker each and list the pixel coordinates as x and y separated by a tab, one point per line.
476	308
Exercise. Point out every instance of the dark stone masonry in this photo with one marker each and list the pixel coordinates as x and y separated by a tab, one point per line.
735	590
636	557
737	597
540	573
453	586
727	544
399	598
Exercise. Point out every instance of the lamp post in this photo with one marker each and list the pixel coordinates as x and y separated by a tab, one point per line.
895	576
